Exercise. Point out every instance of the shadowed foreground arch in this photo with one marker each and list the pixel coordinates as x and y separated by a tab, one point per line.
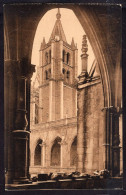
100	24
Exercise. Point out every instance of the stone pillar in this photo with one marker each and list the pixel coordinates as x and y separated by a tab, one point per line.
111	140
106	139
80	131
21	131
52	58
81	119
61	79
115	142
63	146
10	81
21	135
50	99
43	148
61	99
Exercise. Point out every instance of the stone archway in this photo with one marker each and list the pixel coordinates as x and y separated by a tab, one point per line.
73	153
56	152
21	23
38	153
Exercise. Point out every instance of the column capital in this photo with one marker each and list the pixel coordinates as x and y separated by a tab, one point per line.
21	67
63	142
25	68
43	144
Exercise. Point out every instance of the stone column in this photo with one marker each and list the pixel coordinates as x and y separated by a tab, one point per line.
10	81
106	139
61	99
52	58
43	148
50	99
63	145
20	134
111	140
21	131
61	79
80	131
115	141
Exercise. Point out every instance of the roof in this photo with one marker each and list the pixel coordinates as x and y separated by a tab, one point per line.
58	29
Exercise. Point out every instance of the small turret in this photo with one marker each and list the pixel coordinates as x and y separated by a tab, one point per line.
43	44
73	44
84	59
84	55
58	15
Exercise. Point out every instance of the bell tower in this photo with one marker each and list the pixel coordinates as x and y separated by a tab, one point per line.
58	73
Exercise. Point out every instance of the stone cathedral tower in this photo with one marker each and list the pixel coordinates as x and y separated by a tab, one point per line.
54	105
58	70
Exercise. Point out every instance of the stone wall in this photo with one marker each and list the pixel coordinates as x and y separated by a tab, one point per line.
90	127
45	103
66	129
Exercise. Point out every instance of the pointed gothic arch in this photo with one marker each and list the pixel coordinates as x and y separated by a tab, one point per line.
73	152
56	152
64	55
68	58
38	153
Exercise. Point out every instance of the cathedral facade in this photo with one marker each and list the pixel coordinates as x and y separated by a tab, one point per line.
54	106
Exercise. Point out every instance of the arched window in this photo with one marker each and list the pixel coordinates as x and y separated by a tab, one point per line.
37	154
68	74
56	152
49	56
73	153
63	71
46	57
46	75
63	55
68	58
49	72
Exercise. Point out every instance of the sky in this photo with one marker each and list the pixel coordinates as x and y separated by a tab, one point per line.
71	27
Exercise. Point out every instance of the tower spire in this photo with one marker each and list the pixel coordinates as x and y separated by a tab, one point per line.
58	15
58	29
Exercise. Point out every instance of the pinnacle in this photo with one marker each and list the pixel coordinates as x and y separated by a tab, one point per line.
58	15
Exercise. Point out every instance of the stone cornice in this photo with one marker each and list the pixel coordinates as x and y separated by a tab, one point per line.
19	68
94	81
65	123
